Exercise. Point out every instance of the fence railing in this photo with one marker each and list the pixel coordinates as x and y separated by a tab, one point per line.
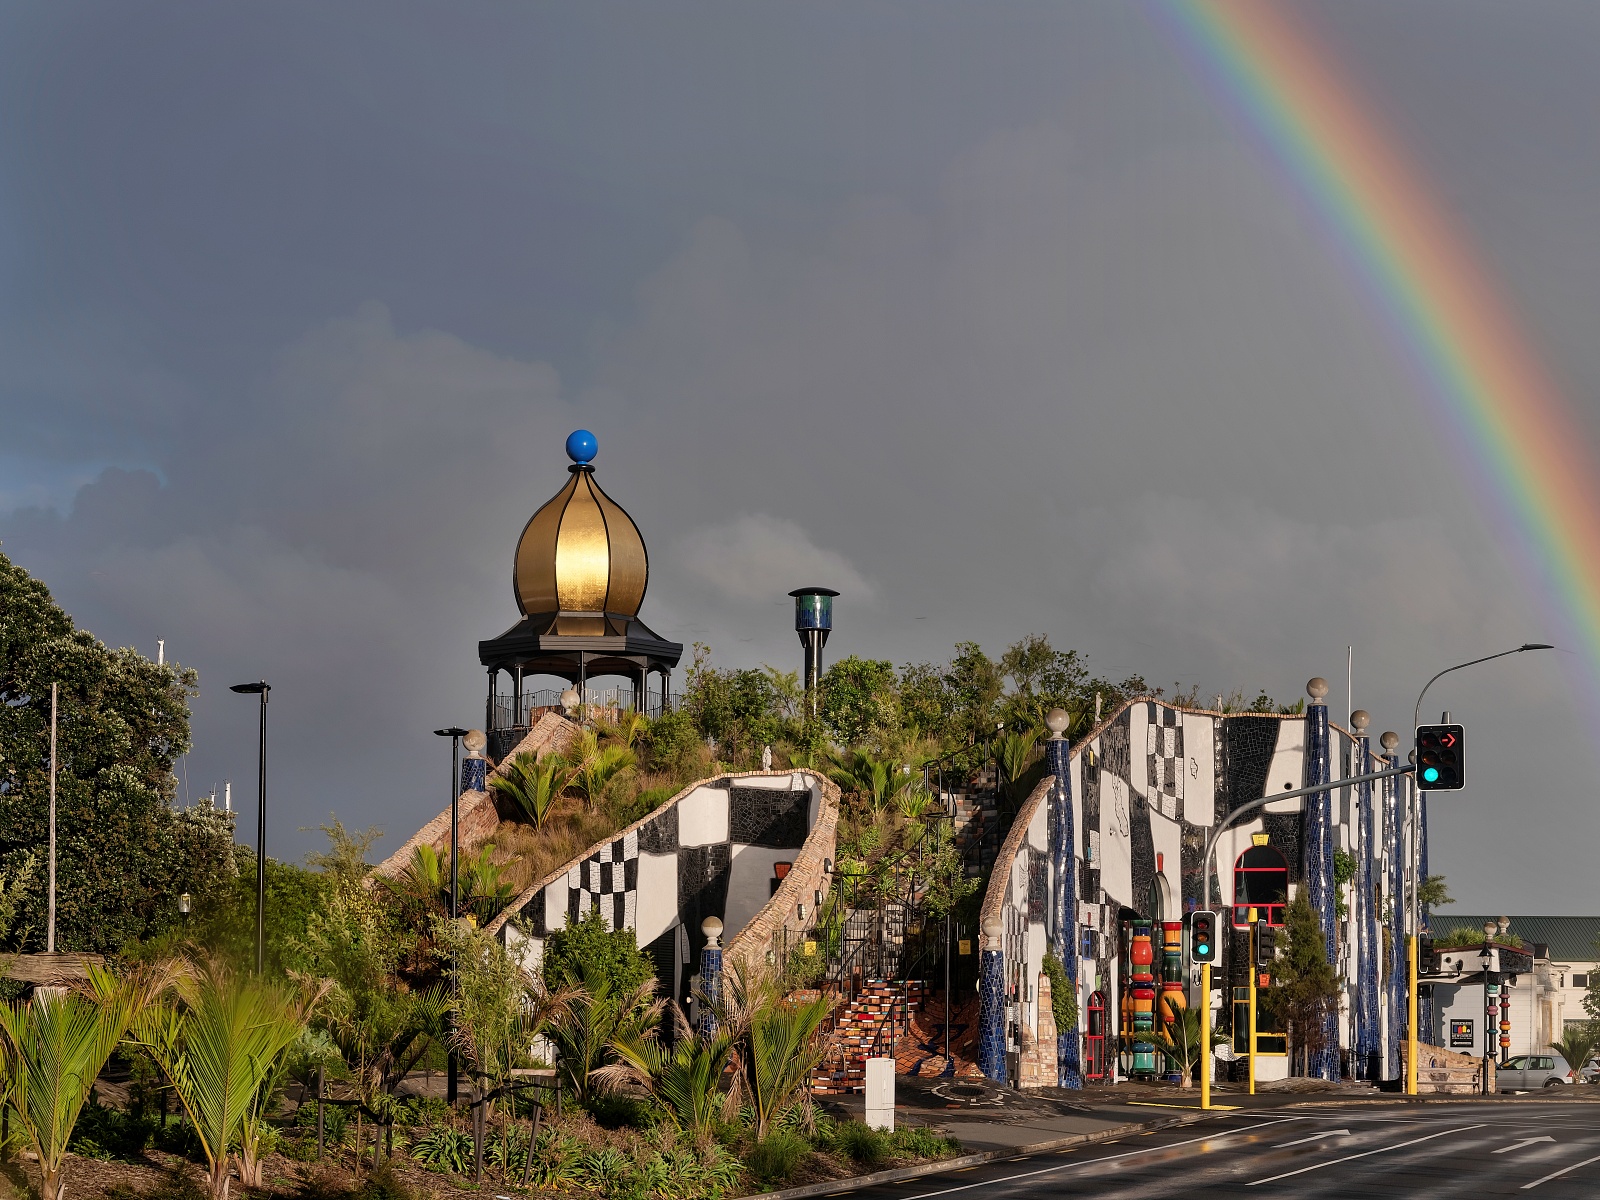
600	702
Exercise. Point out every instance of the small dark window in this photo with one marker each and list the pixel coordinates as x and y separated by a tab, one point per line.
1260	881
1580	980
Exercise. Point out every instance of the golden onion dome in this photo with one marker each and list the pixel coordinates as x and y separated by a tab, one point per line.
581	553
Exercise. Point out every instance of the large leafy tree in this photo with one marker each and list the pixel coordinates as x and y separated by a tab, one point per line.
123	854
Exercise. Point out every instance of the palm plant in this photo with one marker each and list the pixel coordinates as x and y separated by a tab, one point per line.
598	765
594	1019
1015	751
221	1047
1180	1041
484	893
532	786
53	1047
871	779
1576	1043
425	881
683	1078
775	1040
914	801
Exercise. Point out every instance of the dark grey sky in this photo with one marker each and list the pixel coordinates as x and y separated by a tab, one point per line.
984	314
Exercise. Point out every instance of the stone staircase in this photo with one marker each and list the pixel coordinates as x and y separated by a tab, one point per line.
862	1026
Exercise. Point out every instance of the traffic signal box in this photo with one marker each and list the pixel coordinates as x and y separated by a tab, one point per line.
1266	944
1440	758
1203	936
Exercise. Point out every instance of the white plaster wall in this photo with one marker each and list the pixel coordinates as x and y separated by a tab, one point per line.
1116	867
750	880
703	819
1167	837
528	951
777	783
1075	773
657	907
1200	773
1138	738
1234	841
1288	766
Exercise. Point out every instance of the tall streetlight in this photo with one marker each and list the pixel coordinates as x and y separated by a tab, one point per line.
263	689
455	733
1414	908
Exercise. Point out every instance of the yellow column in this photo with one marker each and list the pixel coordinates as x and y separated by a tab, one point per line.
1205	1035
1411	1015
1252	1046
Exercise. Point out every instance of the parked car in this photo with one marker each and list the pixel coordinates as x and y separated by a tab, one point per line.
1528	1072
1591	1070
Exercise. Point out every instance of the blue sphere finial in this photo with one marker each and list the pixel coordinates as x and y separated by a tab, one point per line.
581	446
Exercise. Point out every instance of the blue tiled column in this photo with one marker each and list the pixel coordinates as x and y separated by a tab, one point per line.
1369	1043
710	982
1394	991
992	1007
1319	857
474	772
1064	899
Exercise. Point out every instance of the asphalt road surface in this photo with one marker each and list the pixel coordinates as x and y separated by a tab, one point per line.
1537	1150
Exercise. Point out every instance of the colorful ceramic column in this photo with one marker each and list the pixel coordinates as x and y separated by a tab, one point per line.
710	975
1142	991
1063	887
1174	996
1394	985
1319	858
1368	1056
992	1004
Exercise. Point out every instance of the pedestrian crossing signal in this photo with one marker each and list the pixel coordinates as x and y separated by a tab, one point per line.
1440	758
1203	936
1266	944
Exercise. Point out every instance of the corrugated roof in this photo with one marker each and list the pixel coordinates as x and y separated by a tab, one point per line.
1571	939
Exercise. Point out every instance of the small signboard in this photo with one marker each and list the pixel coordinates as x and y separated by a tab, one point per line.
965	946
1461	1033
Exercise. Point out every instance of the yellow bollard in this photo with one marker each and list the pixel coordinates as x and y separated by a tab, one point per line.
1411	1016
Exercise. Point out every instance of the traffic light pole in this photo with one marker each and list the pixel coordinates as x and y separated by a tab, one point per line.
1254	970
1205	1034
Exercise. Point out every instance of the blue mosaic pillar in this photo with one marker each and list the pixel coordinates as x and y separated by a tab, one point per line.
710	976
1394	989
1424	995
1064	898
1324	1063
992	1006
474	772
1368	1051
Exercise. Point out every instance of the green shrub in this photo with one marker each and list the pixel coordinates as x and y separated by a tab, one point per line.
862	1144
607	1170
614	954
104	1132
443	1148
178	1137
555	1161
774	1158
918	1141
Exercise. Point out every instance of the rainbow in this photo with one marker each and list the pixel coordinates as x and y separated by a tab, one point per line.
1481	372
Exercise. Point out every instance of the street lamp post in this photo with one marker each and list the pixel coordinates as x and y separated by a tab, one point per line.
455	733
263	689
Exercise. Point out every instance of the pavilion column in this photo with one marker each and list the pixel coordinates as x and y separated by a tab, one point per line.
1324	1063
992	1004
1063	894
1367	1059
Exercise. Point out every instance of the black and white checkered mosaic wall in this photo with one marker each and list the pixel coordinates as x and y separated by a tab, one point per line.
714	852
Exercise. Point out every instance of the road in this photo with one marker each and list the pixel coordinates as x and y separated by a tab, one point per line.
1537	1150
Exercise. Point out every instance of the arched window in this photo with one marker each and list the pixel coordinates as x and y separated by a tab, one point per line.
1094	1048
1260	881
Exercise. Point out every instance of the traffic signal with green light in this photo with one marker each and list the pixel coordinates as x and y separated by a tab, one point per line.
1440	758
1203	936
1266	944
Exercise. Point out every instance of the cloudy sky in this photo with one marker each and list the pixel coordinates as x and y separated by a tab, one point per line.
985	314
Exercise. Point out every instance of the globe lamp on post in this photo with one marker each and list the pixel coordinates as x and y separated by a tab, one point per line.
263	689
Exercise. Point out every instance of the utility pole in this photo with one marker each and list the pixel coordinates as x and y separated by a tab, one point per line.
50	932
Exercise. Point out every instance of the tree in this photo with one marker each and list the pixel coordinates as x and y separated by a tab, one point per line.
1576	1043
599	1017
531	788
221	1046
54	1046
123	854
858	699
681	1076
974	685
1304	989
588	949
597	765
775	1042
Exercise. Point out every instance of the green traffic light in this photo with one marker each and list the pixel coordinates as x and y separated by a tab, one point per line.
1431	775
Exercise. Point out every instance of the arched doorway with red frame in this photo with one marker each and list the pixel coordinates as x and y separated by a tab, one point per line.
1261	882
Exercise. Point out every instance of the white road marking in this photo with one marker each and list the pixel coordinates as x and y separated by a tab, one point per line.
1094	1162
1364	1154
1315	1137
1560	1173
1524	1142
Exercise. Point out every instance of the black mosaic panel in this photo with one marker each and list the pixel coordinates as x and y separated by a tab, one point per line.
1248	745
702	889
533	913
1038	883
1142	846
764	817
1192	859
660	835
1114	746
663	953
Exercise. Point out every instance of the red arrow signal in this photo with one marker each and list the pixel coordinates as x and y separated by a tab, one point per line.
1449	739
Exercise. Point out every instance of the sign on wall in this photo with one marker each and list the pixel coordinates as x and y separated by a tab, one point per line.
1461	1033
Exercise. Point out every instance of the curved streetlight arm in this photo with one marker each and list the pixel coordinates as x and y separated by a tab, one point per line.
1416	716
1231	818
